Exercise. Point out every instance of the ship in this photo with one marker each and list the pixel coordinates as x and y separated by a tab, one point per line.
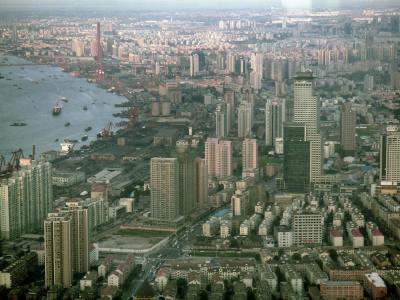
88	128
64	99
85	107
18	124
67	124
84	138
56	109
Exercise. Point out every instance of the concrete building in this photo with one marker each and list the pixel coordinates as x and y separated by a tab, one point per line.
26	197
249	154
164	185
194	64
307	228
58	250
335	290
284	236
218	155
222	120
348	129
307	111
240	203
275	115
79	236
245	119
390	154
375	286
201	182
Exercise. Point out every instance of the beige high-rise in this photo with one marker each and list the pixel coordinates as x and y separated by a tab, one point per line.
218	155
201	182
25	199
58	254
249	154
164	184
80	236
390	154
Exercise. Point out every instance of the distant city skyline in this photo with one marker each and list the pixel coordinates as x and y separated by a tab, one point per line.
157	5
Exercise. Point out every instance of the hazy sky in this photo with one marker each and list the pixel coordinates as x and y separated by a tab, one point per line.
190	4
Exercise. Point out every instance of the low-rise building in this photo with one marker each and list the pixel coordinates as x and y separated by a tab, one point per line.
375	285
336	290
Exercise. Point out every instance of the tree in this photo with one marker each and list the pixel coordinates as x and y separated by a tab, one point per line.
333	254
181	287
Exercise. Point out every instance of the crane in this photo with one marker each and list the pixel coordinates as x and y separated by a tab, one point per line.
13	164
106	131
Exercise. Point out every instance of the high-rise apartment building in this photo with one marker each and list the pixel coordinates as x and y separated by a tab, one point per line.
296	158
79	236
187	178
348	129
164	185
229	99
222	120
307	228
194	62
26	197
307	111
245	119
58	250
218	155
249	154
390	154
275	115
201	182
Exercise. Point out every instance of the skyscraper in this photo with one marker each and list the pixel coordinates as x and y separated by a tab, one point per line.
249	154
222	120
194	64
187	178
218	155
79	236
201	182
58	252
164	185
296	158
25	199
390	154
245	119
306	110
348	129
275	115
229	99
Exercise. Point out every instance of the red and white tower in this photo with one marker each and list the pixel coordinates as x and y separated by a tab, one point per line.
99	59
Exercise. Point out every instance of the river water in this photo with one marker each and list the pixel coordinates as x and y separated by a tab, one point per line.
28	94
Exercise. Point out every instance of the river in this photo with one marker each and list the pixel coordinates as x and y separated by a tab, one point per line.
28	94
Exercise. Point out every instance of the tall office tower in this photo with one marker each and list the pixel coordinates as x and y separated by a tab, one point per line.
221	61
307	228
231	63
390	154
245	119
395	24
249	154
306	110
26	197
201	182
194	64
296	158
218	155
78	47
58	252
275	115
14	34
164	186
348	129
79	236
229	99
187	177
222	120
